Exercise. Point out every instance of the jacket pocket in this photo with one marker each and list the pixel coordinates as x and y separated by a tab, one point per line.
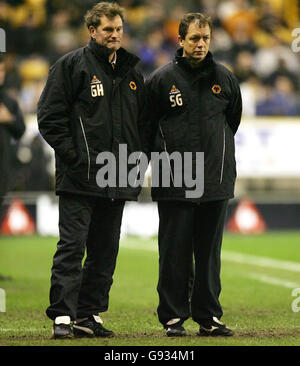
87	149
166	151
223	155
174	132
215	147
81	168
229	165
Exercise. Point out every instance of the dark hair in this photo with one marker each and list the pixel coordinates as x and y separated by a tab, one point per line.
197	18
1	58
110	10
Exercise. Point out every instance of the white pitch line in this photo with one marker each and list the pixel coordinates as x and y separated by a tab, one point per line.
23	330
273	280
132	245
260	261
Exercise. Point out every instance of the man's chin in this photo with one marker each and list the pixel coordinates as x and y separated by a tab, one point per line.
199	57
196	60
113	46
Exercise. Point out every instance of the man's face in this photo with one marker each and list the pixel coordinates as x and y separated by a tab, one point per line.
196	42
2	73
109	33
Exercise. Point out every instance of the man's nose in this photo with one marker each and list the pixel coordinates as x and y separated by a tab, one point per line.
201	43
114	33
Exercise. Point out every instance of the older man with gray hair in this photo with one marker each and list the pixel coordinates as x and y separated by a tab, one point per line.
92	103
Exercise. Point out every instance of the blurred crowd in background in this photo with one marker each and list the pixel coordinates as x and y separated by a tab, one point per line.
251	37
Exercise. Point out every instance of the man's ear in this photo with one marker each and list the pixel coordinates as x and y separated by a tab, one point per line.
180	40
92	31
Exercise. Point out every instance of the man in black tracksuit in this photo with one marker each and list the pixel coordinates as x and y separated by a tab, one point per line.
12	128
92	103
195	106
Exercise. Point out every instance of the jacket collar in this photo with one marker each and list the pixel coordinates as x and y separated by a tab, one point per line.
205	66
125	60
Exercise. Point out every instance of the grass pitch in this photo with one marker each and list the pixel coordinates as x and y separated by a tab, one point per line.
259	275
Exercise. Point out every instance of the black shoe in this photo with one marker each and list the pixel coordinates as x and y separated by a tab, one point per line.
91	327
175	330
62	328
213	327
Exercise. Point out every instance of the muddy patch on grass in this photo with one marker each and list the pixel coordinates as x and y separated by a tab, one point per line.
268	333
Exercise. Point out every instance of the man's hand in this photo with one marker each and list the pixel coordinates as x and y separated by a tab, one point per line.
5	115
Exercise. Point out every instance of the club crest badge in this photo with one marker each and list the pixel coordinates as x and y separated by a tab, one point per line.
97	89
216	89
132	85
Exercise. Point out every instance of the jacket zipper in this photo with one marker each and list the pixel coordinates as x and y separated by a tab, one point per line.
87	148
165	146
223	155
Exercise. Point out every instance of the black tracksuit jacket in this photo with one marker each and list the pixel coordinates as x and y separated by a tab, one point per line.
205	121
79	126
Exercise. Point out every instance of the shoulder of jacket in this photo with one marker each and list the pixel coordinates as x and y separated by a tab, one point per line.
138	74
161	71
71	58
224	71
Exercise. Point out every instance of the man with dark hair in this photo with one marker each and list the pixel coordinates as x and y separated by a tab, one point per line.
199	19
12	127
93	102
195	106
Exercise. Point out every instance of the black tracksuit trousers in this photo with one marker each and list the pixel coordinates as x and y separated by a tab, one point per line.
190	238
91	224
